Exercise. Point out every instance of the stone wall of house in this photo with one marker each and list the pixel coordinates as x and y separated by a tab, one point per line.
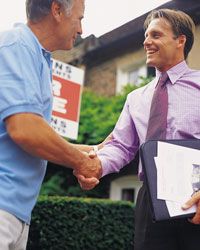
136	58
72	56
75	55
103	78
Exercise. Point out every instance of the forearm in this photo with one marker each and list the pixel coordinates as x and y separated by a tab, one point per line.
37	138
84	148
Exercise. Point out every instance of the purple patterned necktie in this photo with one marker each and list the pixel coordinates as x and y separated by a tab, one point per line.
158	113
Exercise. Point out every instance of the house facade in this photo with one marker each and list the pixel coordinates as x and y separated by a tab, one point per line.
117	58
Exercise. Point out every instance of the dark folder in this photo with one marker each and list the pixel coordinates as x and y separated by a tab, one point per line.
148	151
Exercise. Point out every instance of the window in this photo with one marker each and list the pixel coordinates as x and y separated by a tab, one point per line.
130	74
128	194
134	75
125	188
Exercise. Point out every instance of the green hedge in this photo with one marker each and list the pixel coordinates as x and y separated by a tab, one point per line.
60	223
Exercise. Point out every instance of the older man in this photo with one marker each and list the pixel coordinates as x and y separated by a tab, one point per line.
25	111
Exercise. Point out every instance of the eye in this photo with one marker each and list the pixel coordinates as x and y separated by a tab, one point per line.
156	35
145	36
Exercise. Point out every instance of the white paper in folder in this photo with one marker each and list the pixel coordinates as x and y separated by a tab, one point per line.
178	175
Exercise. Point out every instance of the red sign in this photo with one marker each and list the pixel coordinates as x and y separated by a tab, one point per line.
67	84
66	99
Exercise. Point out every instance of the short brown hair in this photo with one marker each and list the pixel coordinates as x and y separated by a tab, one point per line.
181	23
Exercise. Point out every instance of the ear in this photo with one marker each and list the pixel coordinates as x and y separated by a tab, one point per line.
181	41
56	11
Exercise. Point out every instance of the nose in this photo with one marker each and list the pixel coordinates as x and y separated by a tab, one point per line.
80	30
147	41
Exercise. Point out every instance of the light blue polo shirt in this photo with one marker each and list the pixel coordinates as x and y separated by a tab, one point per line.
25	86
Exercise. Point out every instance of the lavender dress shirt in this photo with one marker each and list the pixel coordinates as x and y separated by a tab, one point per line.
183	119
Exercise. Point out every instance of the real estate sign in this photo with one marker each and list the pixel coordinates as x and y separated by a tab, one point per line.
67	88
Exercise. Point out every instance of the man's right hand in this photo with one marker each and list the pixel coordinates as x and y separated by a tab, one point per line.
90	167
89	172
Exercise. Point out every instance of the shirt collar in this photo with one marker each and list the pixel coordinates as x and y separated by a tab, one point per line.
33	40
175	72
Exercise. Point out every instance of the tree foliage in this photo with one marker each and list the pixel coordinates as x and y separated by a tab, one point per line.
100	113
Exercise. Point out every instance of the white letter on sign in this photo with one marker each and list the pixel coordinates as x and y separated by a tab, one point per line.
59	105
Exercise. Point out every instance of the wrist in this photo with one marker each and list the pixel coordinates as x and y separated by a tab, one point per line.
95	148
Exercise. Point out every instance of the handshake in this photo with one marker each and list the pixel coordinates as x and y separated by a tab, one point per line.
90	171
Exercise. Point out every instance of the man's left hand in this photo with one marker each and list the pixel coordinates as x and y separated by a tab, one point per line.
194	200
86	183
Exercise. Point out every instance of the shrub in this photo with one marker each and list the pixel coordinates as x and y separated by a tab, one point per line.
60	223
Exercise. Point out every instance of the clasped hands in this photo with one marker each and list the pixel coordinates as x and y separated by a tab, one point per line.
89	172
88	176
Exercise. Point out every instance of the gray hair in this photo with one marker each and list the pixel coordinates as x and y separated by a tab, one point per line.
38	9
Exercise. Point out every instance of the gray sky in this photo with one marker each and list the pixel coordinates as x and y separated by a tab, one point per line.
101	16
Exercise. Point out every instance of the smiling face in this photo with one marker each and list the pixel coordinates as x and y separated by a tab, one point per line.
163	49
69	26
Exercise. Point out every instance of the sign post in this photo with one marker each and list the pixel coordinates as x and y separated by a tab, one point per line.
67	87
